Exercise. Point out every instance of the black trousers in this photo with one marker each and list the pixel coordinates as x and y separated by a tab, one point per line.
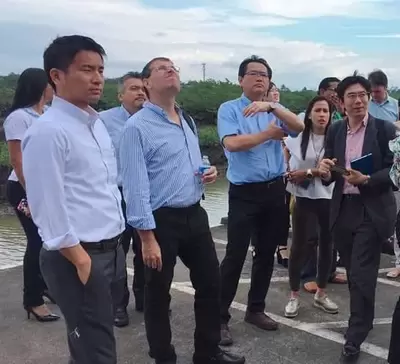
394	349
257	208
34	285
309	271
87	309
183	233
360	250
306	213
128	236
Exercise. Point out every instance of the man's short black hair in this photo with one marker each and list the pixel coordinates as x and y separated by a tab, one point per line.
252	59
128	76
350	81
326	82
147	68
378	78
61	52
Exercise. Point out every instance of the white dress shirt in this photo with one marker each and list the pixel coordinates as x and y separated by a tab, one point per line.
70	173
15	126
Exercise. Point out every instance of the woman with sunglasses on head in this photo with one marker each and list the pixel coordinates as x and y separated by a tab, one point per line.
32	94
312	205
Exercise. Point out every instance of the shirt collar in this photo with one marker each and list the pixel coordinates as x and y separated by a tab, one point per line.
245	100
383	102
125	112
88	117
157	109
32	112
363	124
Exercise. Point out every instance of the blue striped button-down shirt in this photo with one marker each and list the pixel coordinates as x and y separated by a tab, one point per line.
159	165
114	119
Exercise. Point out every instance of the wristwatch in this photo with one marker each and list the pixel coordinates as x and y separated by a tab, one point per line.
309	173
272	106
366	181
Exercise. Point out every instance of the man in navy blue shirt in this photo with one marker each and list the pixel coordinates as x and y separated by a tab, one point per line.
251	131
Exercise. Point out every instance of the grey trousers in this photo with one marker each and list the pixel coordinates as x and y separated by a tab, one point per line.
87	309
307	215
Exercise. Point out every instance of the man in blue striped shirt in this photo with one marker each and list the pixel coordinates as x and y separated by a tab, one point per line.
162	184
132	96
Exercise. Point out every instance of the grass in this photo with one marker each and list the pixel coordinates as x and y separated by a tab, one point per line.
208	136
4	161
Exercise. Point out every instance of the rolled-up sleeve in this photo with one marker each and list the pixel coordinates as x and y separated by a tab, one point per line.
43	159
135	180
227	122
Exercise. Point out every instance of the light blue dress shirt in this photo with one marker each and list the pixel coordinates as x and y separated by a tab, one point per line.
261	163
71	177
387	110
160	161
114	119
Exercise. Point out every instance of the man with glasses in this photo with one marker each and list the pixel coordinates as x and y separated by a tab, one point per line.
327	88
251	131
363	209
163	183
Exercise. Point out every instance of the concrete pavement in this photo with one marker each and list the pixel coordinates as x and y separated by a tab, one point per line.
313	338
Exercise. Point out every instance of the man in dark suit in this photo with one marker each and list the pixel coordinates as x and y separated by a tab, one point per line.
363	209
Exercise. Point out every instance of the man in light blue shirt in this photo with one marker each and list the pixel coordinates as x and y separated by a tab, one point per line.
131	94
71	183
381	105
251	131
161	168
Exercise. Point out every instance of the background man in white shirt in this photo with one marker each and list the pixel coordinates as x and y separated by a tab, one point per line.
71	183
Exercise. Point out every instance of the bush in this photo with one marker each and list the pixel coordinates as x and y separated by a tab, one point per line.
208	136
4	160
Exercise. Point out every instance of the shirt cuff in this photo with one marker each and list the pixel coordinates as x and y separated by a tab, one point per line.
68	240
143	223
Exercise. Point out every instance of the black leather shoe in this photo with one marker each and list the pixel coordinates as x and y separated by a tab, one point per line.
121	318
222	357
350	352
226	337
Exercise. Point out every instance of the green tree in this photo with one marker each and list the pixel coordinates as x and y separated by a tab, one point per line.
201	99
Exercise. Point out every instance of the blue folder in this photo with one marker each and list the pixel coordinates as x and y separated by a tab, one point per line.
363	164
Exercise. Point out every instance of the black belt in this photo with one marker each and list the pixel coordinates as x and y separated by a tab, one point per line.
268	183
103	245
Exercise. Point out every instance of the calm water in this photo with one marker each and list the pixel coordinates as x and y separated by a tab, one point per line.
12	238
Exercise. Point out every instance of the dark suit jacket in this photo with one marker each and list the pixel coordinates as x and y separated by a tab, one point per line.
377	195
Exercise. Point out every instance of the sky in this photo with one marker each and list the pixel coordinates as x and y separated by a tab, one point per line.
303	41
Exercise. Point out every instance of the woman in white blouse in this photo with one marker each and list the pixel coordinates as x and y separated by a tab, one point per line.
312	205
32	94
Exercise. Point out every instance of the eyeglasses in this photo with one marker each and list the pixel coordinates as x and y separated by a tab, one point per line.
355	96
258	74
166	69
